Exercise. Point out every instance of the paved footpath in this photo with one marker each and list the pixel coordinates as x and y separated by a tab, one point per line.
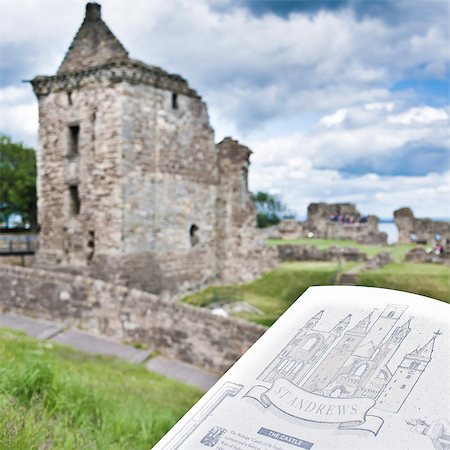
88	343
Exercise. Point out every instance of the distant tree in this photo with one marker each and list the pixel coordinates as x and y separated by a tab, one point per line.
17	181
270	209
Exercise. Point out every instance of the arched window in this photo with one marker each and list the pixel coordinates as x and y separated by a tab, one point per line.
193	235
174	100
338	391
360	370
391	314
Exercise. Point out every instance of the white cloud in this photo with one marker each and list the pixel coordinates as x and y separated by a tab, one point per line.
420	115
19	114
364	134
304	167
266	73
242	63
373	194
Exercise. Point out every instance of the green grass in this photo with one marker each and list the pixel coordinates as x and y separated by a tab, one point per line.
431	280
397	251
274	292
55	397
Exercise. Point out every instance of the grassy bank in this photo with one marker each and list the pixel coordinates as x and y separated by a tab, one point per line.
274	292
432	280
55	397
397	251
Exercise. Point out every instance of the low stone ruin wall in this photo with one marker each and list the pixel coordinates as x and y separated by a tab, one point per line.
420	255
177	330
312	253
421	231
334	221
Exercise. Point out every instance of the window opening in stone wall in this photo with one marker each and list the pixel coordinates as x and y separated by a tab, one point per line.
75	203
91	245
74	134
194	235
69	97
174	100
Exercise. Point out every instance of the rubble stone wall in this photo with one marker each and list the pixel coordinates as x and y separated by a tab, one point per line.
424	231
93	172
312	253
132	188
129	315
348	224
241	249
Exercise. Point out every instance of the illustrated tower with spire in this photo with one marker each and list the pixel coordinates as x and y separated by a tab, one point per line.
405	377
131	186
340	353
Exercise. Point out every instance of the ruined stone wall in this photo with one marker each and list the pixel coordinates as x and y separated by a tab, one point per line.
177	330
170	176
146	173
290	229
67	237
348	224
420	255
242	251
425	231
312	253
146	199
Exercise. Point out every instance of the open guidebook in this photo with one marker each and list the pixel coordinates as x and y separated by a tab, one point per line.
343	368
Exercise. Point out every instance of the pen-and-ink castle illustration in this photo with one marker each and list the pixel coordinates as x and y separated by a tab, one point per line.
437	430
357	362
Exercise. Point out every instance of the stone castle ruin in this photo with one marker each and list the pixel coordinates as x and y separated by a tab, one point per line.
132	188
421	231
335	221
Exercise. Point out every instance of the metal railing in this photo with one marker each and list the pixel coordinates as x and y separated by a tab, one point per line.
18	245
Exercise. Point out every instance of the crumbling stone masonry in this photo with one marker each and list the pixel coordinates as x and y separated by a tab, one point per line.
180	331
132	188
425	231
335	221
312	253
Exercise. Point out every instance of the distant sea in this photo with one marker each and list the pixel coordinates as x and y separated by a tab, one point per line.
391	229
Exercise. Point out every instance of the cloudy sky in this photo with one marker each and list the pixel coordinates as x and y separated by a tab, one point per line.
342	100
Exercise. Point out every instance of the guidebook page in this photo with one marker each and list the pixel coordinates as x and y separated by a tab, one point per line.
343	368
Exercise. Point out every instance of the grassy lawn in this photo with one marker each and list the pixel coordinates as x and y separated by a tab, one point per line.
398	251
55	397
431	280
274	292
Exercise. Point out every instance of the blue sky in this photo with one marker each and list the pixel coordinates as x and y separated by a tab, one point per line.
342	100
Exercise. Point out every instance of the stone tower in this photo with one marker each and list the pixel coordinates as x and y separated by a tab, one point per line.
132	187
405	377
